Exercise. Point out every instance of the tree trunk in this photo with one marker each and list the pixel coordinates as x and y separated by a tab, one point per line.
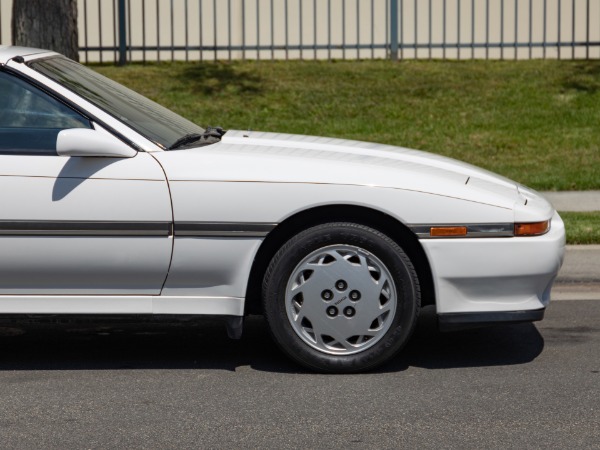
47	24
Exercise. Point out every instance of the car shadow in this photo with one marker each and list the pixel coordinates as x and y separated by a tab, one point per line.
205	345
76	171
500	345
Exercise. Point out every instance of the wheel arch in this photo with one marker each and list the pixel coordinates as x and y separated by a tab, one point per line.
338	213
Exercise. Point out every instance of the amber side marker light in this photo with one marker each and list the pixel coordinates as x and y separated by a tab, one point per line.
448	231
532	229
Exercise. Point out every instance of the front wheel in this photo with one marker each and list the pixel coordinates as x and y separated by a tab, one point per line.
341	297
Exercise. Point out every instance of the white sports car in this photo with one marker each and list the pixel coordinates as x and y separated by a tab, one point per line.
113	205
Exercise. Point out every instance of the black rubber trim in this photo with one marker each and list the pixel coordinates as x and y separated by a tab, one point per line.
83	228
461	321
107	228
223	229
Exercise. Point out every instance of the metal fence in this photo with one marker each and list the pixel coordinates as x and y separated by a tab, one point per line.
154	30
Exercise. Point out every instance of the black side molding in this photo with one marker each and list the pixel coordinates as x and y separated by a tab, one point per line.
223	229
461	321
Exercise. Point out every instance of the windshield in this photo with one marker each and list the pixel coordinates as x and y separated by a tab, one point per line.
148	118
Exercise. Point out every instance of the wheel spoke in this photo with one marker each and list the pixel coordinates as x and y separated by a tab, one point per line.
321	308
339	340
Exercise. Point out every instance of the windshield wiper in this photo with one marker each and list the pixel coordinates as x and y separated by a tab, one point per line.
210	136
187	139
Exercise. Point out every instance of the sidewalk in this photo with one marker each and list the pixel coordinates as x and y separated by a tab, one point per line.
579	278
574	200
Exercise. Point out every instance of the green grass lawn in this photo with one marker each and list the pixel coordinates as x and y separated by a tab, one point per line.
537	122
582	227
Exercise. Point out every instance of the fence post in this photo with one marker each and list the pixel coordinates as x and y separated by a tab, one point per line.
394	30
122	34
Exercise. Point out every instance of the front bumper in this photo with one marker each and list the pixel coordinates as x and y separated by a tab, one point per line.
493	275
461	321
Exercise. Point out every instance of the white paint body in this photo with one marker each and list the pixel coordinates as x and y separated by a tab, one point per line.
250	177
69	143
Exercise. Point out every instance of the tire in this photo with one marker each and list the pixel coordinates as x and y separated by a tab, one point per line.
341	297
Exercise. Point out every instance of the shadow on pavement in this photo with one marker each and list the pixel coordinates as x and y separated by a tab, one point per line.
499	345
205	345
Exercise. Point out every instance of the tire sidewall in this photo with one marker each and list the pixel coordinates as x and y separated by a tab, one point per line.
384	248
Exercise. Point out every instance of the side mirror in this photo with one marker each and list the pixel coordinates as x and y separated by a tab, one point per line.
84	142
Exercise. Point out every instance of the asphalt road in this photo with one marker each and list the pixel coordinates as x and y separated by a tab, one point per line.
179	386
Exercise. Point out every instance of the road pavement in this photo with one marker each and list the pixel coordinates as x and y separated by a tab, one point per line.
512	386
189	386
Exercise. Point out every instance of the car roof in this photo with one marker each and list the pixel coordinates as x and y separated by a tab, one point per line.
7	52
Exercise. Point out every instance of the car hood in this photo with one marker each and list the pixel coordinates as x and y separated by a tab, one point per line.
286	158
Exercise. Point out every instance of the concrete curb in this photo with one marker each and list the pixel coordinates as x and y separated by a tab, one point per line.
572	291
579	277
581	264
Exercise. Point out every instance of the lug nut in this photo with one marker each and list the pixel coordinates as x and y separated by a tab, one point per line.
341	285
327	295
349	311
354	296
332	311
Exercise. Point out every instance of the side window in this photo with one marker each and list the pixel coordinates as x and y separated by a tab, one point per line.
30	119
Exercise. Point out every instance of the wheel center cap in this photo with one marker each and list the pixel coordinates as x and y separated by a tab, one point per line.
341	300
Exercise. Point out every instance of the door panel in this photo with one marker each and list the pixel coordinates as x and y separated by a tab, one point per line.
83	188
75	225
44	265
83	225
